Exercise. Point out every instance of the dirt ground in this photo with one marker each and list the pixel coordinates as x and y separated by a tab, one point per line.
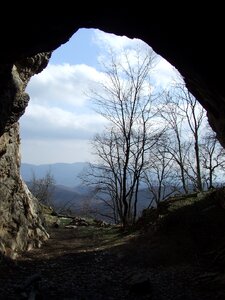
88	263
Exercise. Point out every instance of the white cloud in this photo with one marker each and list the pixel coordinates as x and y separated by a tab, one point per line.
164	74
109	40
53	122
41	151
59	122
59	104
63	84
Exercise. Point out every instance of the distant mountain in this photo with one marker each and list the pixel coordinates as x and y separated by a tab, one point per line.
64	173
64	197
80	197
68	190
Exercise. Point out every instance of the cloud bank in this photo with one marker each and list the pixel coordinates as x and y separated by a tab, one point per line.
60	121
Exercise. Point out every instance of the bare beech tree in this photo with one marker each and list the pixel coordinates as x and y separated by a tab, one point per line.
177	147
185	118
195	116
126	102
161	177
212	157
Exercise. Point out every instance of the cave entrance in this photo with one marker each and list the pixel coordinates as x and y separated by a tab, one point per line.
58	114
59	122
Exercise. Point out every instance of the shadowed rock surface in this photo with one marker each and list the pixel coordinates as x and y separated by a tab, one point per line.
173	254
81	264
187	38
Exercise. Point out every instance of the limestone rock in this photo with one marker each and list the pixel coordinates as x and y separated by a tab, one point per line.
21	222
24	53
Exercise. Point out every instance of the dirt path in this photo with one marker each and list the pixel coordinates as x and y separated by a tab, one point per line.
87	264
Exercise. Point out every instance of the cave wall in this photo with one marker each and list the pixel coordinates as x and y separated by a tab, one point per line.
190	38
187	38
21	224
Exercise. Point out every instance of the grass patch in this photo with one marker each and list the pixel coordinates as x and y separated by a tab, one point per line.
102	238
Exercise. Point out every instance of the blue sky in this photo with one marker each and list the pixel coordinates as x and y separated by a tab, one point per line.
59	121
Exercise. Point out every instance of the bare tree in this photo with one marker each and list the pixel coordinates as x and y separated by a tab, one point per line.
195	116
161	177
126	102
43	188
185	119
177	147
212	157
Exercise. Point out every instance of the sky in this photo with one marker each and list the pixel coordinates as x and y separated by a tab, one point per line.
60	121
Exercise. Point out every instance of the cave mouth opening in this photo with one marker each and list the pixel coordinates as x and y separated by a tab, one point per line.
59	112
58	286
59	122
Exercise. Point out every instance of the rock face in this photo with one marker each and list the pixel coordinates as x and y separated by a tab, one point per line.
188	39
21	225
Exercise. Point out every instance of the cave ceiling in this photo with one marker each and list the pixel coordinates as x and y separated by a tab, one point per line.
190	40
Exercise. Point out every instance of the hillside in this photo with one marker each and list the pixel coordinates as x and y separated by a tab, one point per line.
80	194
193	224
69	193
80	200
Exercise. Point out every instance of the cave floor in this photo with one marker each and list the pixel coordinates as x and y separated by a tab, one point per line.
88	263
